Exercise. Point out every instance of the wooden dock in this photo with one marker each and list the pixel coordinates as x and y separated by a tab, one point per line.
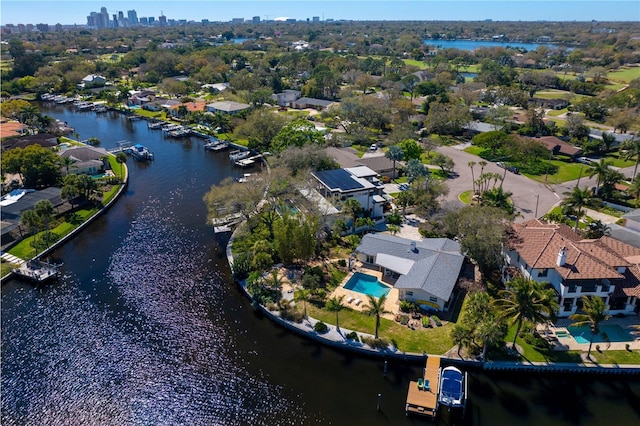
425	401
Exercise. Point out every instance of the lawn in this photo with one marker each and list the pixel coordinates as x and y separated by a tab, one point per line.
475	150
616	357
625	75
530	352
556	112
616	161
465	197
6	267
566	172
554	94
415	63
429	340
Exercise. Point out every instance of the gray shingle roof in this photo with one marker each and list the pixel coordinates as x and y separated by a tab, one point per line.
436	261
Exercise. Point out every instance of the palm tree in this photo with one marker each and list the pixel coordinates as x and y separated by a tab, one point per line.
44	210
31	220
352	208
635	189
473	178
121	158
335	305
600	169
631	150
66	162
526	300
303	295
393	229
462	337
594	313
576	200
376	308
394	153
273	280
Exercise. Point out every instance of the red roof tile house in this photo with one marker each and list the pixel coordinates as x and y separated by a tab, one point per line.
554	253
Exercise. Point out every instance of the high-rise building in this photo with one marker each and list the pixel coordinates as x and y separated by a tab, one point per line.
256	19
144	21
315	19
162	20
133	17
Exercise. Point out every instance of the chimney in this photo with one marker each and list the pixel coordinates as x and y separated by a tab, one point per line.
562	256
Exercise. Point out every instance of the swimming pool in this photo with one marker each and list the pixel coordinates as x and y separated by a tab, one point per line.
614	332
366	284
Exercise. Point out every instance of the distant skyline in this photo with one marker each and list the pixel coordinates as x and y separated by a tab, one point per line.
76	12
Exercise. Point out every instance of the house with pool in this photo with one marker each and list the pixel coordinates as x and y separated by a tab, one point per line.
575	267
424	271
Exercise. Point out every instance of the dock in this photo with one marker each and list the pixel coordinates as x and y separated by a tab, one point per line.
424	401
37	271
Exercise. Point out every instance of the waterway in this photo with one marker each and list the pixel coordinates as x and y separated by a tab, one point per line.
475	44
146	327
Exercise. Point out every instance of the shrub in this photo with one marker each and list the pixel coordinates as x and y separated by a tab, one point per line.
320	327
353	336
426	322
404	319
407	306
342	263
292	315
375	343
436	320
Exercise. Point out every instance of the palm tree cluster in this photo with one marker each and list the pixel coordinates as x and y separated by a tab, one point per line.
593	313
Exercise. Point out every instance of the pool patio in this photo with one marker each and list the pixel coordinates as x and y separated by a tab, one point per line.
392	304
560	336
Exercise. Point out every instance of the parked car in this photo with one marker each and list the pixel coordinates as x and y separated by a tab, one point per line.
501	165
585	160
373	147
403	187
513	170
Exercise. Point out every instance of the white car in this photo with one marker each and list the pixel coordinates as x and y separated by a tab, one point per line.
373	147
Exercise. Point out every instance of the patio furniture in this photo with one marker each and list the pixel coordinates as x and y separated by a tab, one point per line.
358	301
350	299
420	383
426	386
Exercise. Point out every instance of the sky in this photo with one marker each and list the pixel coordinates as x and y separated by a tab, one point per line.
76	12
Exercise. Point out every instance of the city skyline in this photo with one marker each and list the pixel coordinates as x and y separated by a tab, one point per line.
76	12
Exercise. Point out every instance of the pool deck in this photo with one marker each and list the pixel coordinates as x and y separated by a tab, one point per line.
563	343
392	303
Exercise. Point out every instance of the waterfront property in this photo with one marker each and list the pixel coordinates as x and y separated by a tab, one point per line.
85	159
366	284
424	272
422	396
575	267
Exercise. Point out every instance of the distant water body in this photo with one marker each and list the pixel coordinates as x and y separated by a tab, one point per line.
147	328
475	44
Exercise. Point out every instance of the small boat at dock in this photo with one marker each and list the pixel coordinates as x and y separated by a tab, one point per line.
140	153
216	145
453	388
155	124
37	270
237	155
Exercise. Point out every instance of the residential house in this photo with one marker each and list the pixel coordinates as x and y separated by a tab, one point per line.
348	157
550	103
92	80
558	146
424	271
318	104
286	97
575	267
216	87
360	183
87	159
227	107
17	202
45	140
190	107
10	128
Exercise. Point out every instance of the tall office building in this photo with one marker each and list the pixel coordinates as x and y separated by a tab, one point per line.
256	19
133	17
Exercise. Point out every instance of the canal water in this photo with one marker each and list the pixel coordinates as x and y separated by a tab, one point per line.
147	328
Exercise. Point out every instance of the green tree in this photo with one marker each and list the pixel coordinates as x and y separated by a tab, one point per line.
594	310
67	162
39	167
631	151
414	169
298	133
526	300
576	200
411	149
32	221
376	308
394	153
600	169
44	210
335	305
634	189
445	163
462	337
352	208
303	295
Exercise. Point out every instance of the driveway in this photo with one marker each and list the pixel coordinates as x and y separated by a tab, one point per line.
528	195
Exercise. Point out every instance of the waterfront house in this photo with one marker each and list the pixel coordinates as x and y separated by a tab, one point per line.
87	160
45	140
575	267
10	128
189	107
227	107
424	271
360	183
17	202
92	80
348	157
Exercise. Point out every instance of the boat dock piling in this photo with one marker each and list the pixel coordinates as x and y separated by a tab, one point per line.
425	401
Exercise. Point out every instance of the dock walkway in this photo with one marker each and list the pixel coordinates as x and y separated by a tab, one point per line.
425	401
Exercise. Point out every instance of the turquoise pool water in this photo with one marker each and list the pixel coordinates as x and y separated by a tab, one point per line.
366	284
614	332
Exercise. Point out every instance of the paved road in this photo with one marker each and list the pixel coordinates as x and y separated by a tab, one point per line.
527	194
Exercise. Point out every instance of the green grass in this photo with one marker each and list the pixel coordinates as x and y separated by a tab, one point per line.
616	161
6	267
616	357
465	197
415	63
431	340
531	353
566	172
625	75
557	112
554	94
475	150
6	64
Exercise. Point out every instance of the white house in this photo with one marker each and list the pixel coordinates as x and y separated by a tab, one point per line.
424	271
286	97
92	80
86	159
575	267
360	183
227	107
